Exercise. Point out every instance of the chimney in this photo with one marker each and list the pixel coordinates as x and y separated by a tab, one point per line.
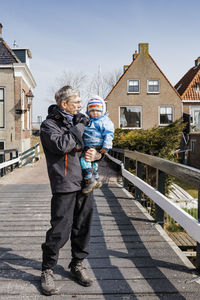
197	62
143	48
1	26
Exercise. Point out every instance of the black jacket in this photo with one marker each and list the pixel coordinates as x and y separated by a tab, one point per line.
62	144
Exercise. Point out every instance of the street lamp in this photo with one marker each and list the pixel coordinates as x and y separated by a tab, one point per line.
29	97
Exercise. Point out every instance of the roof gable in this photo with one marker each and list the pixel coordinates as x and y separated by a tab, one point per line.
186	86
132	66
122	77
7	56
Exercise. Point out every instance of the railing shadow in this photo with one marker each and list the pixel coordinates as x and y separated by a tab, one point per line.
11	265
154	263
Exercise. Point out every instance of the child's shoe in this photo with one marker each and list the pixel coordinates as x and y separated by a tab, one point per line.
90	184
98	184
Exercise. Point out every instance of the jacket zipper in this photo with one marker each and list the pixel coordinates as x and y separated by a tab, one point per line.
65	164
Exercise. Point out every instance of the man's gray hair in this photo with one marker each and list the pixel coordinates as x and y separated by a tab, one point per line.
65	94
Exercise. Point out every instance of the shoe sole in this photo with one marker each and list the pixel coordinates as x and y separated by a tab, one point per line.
55	292
79	281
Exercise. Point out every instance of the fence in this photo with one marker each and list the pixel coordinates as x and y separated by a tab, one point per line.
10	158
125	158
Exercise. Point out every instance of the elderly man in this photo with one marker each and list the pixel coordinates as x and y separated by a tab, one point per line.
71	210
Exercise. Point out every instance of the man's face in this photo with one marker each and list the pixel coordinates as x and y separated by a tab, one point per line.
73	106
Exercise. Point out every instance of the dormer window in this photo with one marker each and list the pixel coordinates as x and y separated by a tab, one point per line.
133	86
153	86
2	108
197	87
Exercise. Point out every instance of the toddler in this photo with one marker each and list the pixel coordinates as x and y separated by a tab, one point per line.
99	135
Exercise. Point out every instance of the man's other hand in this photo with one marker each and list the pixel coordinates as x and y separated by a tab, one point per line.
81	118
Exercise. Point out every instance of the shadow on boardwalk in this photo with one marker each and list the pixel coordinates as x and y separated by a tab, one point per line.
157	283
26	270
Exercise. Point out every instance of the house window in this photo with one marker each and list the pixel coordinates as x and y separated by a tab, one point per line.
130	116
195	116
28	119
193	145
153	86
2	145
2	108
133	86
166	115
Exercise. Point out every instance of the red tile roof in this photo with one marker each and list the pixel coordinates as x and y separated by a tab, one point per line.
187	85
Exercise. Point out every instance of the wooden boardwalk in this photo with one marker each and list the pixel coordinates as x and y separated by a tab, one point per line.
130	257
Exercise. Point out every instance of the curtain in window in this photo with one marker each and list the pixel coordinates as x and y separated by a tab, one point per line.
130	116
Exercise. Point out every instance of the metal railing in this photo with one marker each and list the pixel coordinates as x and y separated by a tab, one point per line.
10	158
124	159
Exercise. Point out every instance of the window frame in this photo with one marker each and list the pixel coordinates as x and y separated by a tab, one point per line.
165	106
153	92
23	109
140	117
4	104
28	119
193	108
138	86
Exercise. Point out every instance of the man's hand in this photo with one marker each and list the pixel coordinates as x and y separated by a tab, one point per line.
81	118
92	155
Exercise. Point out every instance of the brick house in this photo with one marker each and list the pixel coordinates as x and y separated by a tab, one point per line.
143	97
16	92
189	89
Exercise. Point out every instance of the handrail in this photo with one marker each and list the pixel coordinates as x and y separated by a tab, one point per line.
21	159
8	151
177	170
163	166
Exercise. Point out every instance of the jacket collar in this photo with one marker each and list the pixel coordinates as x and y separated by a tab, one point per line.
55	112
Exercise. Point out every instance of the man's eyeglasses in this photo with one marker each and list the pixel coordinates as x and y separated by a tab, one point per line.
75	102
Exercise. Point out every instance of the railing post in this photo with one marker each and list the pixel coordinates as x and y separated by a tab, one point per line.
159	212
198	244
126	166
11	157
139	169
17	155
38	151
2	159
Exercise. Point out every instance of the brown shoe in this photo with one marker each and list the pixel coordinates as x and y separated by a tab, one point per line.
47	283
79	274
90	184
98	184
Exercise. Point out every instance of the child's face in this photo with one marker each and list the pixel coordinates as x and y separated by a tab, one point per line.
95	113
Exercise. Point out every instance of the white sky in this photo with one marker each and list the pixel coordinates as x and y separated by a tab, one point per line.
80	35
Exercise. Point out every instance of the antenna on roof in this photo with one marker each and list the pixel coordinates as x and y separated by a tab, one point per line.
15	44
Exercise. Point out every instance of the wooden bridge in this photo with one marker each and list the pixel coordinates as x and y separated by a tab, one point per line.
131	257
